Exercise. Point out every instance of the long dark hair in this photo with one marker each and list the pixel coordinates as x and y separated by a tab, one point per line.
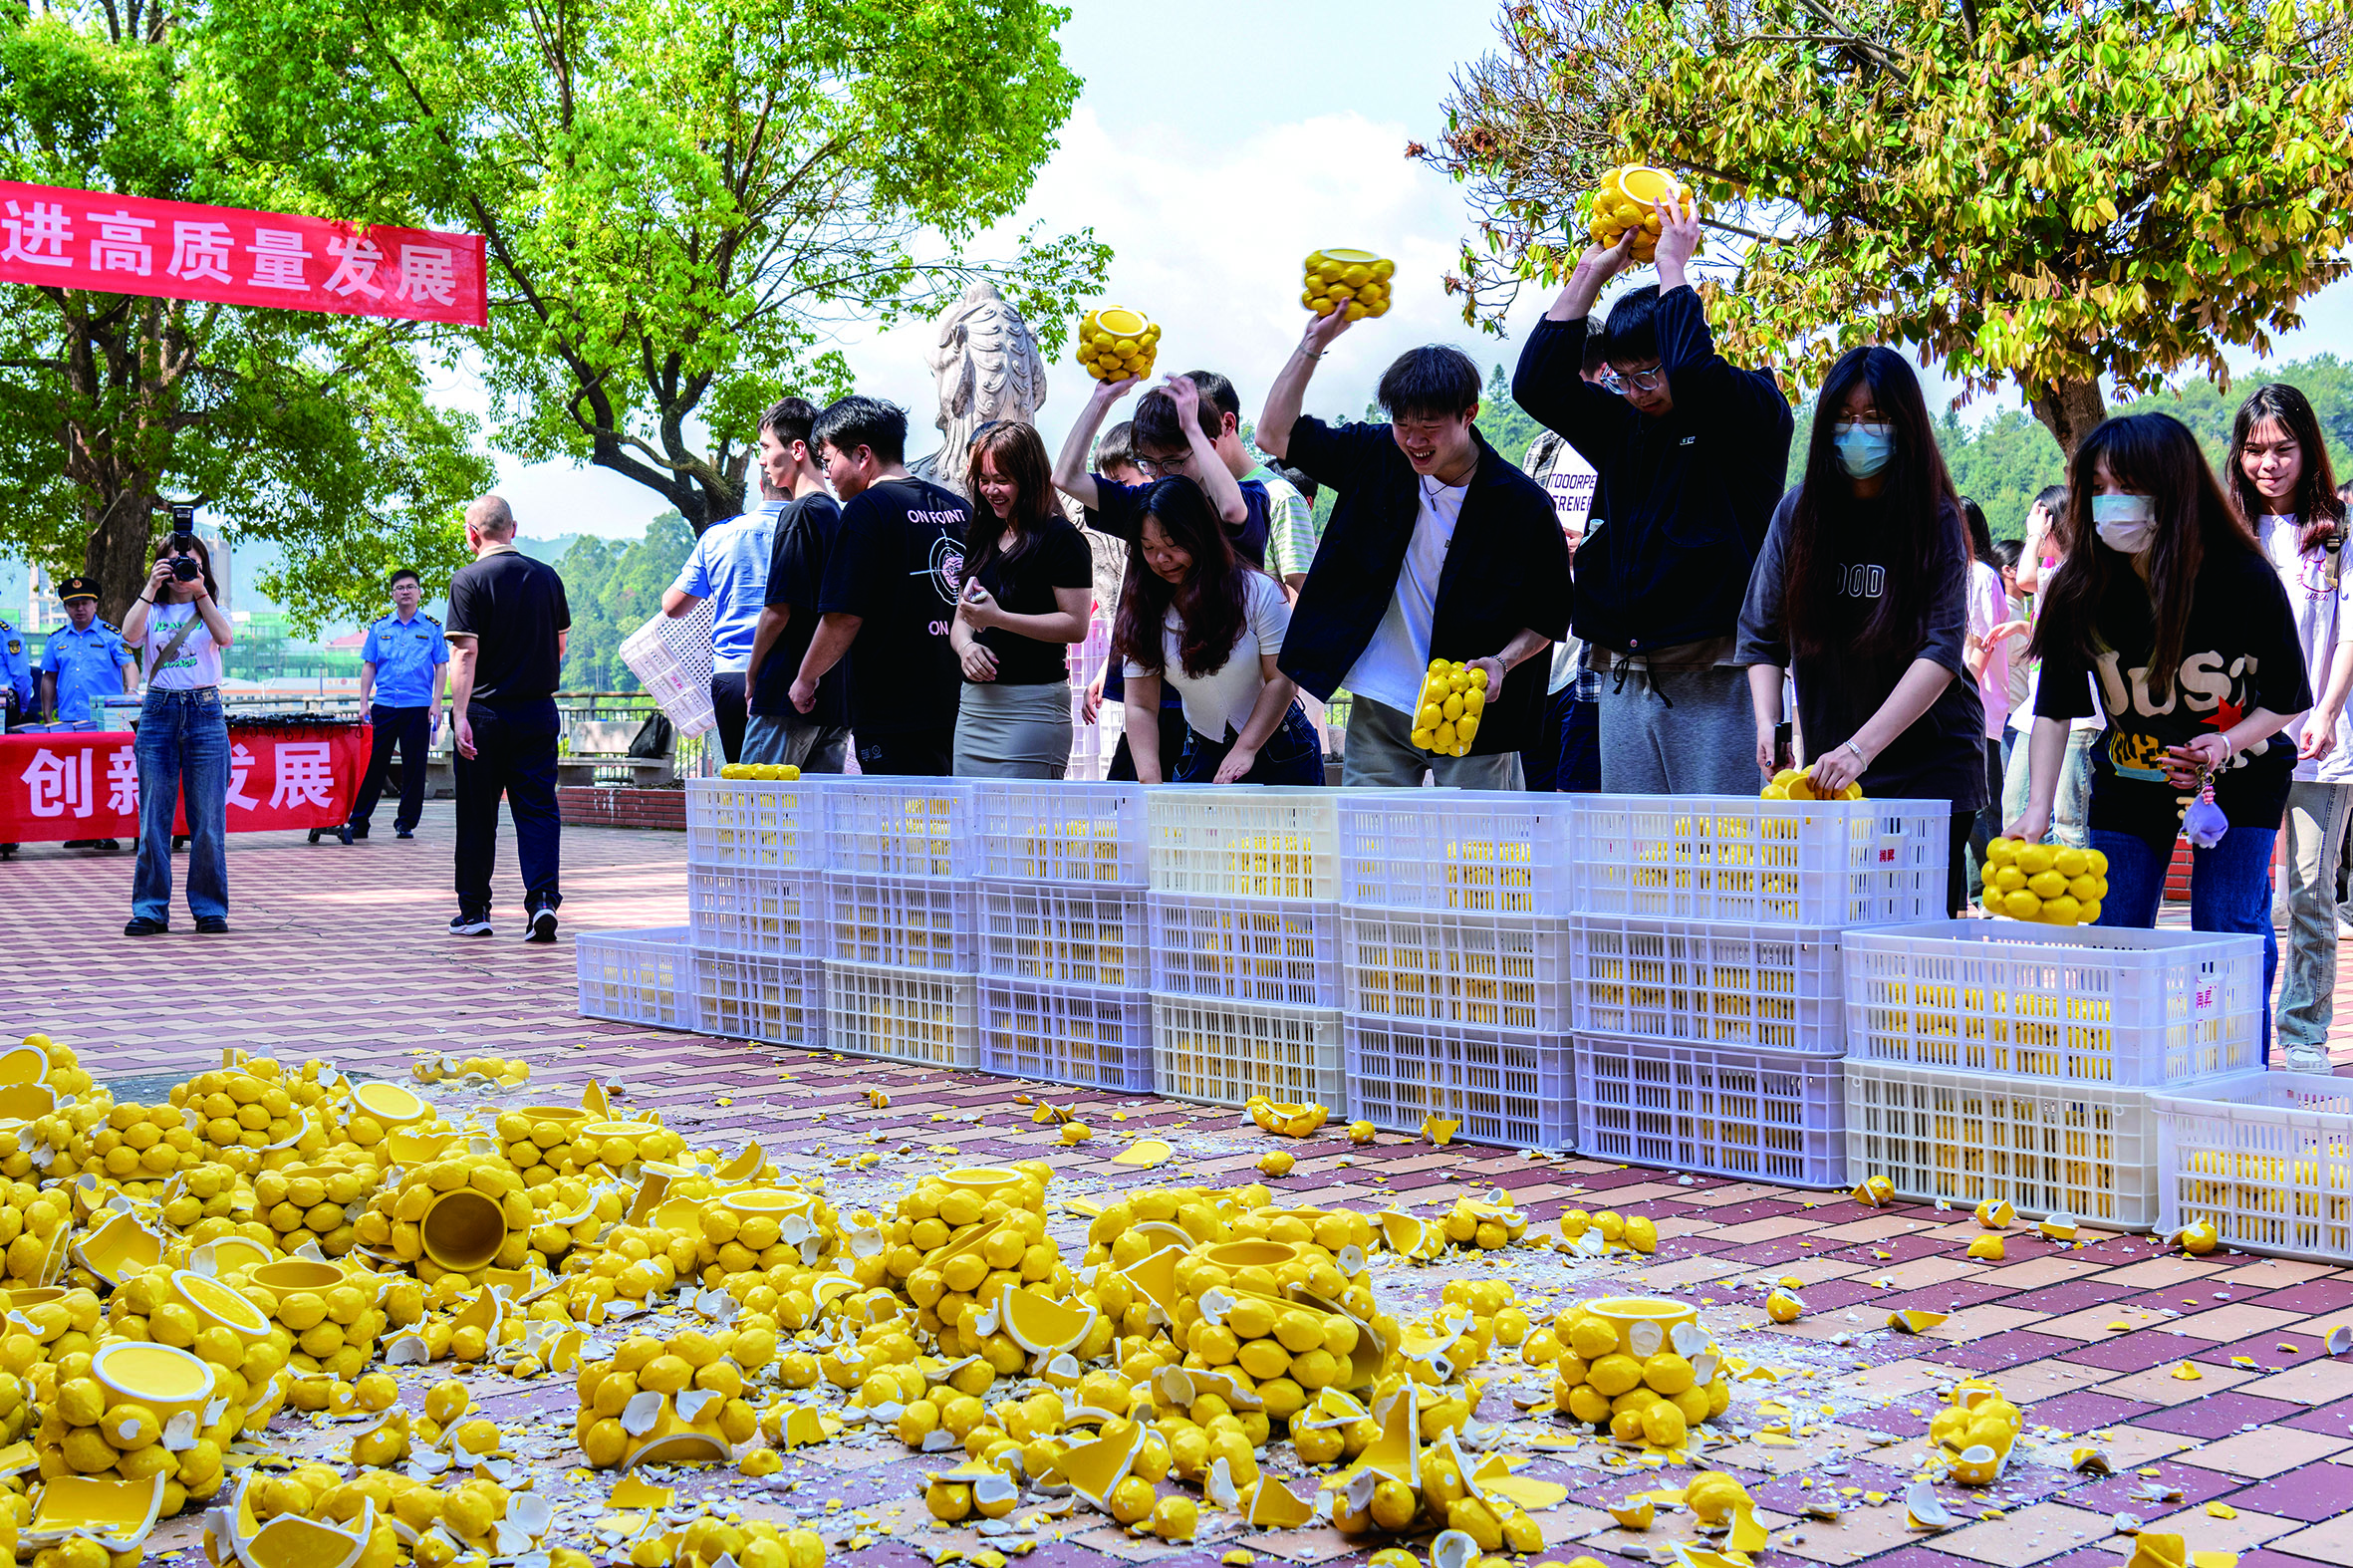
1919	506
2152	454
1208	603
1021	458
2318	510
1981	532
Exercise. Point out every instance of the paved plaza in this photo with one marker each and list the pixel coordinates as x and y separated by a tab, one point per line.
2206	1381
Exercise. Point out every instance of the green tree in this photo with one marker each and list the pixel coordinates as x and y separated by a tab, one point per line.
683	199
2052	195
615	587
311	430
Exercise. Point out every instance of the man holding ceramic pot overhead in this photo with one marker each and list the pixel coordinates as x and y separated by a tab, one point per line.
1691	453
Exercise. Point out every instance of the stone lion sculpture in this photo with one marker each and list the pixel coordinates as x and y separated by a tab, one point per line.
985	363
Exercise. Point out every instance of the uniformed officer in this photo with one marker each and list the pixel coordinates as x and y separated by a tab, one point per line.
16	679
405	661
81	661
84	659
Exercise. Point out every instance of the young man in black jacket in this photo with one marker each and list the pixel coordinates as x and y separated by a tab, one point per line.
1436	549
1692	452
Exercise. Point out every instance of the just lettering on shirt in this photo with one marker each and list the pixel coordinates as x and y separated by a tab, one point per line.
2205	684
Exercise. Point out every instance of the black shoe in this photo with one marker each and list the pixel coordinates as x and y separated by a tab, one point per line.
543	927
464	924
109	844
344	833
141	926
403	833
212	925
79	844
179	842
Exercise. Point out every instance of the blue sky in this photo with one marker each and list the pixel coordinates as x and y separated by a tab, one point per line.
1212	150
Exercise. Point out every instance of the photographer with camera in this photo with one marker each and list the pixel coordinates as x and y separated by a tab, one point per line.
183	737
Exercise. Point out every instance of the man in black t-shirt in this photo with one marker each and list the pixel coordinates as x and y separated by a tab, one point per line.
805	531
890	588
508	624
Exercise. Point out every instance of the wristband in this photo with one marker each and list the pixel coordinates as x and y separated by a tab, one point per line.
1857	751
144	600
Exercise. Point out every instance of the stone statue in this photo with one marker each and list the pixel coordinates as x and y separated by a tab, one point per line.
986	362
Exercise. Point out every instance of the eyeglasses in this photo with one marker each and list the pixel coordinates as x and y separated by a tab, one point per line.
1641	381
1163	467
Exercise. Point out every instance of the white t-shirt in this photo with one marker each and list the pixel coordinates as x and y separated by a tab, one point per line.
1224	699
1391	669
2318	607
197	664
1988	607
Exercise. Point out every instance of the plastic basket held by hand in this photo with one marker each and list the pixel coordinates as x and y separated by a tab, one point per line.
672	661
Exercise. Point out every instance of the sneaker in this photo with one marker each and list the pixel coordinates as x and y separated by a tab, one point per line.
463	925
212	925
543	927
109	844
403	833
2309	1059
141	926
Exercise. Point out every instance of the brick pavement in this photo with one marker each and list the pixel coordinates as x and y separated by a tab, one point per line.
340	953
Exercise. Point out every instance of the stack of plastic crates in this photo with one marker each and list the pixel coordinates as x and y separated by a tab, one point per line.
1455	953
1092	742
1245	922
902	968
1704	972
1065	963
1998	1059
639	976
755	906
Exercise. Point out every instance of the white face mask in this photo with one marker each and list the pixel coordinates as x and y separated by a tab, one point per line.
2124	523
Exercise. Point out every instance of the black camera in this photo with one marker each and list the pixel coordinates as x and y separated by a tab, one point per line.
183	541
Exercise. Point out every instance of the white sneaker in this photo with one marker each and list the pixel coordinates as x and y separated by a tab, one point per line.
2309	1059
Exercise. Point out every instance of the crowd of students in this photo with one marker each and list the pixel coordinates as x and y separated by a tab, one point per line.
2157	634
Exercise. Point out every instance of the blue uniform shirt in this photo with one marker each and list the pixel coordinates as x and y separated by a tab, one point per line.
405	653
730	567
16	669
87	665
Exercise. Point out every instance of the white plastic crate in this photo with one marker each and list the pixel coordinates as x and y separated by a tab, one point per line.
671	659
1245	841
901	1015
905	923
1044	932
2265	1158
1771	1115
1760	988
1474	852
744	910
1222	1053
638	976
1092	746
1504	1086
901	827
1056	831
760	996
2084	1003
1067	1034
1492	971
1760	861
765	825
1246	950
2087	1150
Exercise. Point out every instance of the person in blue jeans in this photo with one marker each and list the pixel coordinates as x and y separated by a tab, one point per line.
2170	607
1196	615
182	749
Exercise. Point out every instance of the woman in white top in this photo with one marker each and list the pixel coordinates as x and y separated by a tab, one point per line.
184	739
1210	623
2280	477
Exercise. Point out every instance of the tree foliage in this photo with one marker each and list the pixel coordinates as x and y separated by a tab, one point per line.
2052	195
311	430
685	200
613	587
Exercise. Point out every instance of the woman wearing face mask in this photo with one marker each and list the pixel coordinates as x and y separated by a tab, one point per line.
2279	475
1212	625
1029	580
183	738
2167	601
1862	593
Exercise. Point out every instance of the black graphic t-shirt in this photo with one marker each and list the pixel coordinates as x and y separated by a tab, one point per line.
899	562
2238	654
1025	586
797	557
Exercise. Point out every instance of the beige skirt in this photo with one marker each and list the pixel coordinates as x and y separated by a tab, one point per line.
1013	732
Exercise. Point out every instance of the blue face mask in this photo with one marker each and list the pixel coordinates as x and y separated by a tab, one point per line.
1864	449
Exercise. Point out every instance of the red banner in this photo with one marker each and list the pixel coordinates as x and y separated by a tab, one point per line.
85	784
81	239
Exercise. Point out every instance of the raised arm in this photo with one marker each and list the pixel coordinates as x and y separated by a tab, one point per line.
1071	475
1274	432
1218	481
